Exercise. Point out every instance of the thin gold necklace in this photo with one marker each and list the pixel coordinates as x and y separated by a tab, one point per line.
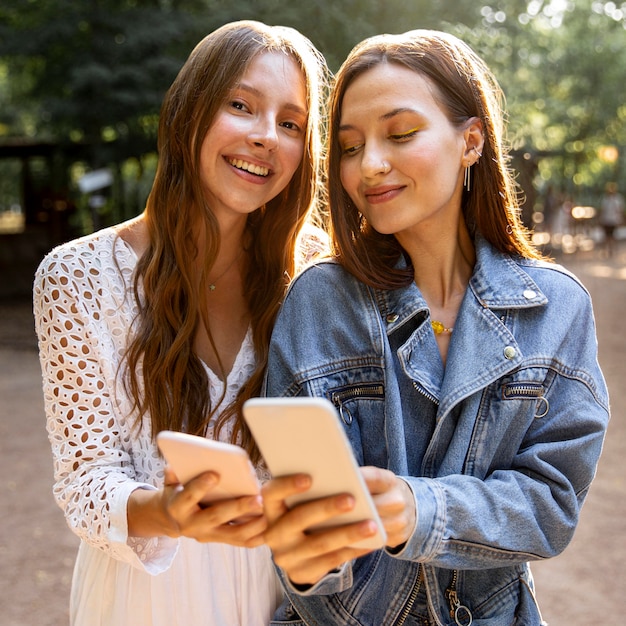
212	285
440	329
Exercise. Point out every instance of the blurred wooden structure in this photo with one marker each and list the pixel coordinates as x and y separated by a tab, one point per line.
41	218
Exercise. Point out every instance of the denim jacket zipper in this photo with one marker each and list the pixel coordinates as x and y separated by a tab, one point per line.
425	393
340	397
459	612
412	597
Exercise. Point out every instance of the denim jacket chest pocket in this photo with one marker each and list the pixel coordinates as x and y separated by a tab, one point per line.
511	410
359	396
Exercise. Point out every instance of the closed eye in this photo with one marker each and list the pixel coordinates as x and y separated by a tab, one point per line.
350	150
404	136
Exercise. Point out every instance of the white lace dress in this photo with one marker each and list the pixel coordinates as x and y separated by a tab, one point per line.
83	308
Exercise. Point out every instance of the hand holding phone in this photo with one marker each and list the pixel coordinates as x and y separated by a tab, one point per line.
305	435
191	455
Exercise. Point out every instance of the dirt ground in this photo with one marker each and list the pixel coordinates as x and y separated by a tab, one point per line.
583	586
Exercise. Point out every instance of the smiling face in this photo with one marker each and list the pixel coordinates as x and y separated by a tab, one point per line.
402	160
256	141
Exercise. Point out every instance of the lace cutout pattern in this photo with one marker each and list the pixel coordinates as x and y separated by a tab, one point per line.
83	308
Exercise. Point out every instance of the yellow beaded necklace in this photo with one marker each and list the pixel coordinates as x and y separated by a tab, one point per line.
440	329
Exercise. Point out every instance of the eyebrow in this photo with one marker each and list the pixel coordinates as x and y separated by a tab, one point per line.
384	116
254	91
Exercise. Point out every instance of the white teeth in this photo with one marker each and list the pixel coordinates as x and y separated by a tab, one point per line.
249	167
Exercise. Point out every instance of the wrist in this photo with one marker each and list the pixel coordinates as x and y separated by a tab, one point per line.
147	515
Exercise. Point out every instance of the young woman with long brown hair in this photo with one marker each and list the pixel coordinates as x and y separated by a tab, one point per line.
164	322
462	363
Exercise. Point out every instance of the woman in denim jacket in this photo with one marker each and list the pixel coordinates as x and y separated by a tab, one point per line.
463	364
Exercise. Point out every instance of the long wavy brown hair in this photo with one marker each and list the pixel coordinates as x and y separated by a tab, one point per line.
465	88
165	378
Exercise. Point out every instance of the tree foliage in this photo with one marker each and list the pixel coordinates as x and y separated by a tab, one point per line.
563	67
95	71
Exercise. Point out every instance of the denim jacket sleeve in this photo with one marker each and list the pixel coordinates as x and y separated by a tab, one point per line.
334	582
290	368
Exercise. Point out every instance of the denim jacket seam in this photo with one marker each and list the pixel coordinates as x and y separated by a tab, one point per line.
479	550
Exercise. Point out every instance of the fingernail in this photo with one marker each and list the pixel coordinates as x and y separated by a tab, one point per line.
303	481
368	528
345	502
210	479
256	502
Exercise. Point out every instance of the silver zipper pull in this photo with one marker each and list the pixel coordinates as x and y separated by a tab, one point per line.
461	614
345	414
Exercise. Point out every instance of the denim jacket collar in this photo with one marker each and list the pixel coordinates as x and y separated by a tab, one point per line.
497	283
497	286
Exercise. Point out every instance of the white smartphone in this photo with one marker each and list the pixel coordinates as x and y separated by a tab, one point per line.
190	455
305	435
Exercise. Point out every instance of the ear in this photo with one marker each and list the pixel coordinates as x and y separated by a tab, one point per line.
474	141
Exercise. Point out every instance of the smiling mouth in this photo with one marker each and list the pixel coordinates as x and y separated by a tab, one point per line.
385	196
249	167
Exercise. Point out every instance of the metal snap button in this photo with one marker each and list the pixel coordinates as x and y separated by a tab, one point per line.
529	294
509	352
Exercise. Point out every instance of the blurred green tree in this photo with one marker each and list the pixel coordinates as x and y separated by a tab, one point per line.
562	65
95	71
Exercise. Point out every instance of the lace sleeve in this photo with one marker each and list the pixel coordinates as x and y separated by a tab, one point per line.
92	443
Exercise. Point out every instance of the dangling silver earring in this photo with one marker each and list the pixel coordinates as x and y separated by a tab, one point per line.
467	177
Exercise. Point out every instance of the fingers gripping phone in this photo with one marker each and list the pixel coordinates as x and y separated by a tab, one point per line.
305	435
191	455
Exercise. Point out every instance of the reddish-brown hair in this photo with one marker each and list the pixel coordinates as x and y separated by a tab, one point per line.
465	88
163	375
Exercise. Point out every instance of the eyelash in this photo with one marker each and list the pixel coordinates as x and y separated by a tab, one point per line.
407	135
291	126
237	104
351	150
400	137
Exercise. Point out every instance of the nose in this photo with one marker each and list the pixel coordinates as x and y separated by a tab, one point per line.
264	134
374	162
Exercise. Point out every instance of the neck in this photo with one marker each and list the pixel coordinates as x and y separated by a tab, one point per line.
443	266
231	245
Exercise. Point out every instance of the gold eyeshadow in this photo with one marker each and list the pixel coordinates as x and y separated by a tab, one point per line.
408	133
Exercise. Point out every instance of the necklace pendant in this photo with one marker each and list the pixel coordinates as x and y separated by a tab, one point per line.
232	264
439	328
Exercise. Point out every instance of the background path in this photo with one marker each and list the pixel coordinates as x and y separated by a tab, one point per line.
583	586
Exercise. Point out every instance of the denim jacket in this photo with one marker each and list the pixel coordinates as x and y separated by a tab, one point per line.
519	416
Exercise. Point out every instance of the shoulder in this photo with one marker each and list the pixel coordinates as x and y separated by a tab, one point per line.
554	279
85	260
521	280
86	245
104	243
327	278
